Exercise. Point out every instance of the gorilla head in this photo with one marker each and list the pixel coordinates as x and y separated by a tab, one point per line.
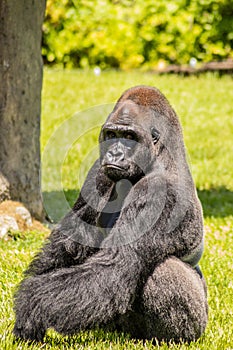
122	139
128	140
141	126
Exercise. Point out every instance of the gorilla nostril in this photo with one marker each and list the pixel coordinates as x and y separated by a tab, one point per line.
119	156
109	156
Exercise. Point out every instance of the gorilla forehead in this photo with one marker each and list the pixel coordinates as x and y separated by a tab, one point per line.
146	96
150	98
129	113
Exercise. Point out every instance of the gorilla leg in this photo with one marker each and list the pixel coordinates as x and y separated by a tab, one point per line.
173	305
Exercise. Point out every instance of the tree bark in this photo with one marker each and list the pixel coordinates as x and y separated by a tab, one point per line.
20	101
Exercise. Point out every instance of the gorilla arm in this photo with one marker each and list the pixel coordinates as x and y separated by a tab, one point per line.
156	222
91	294
70	243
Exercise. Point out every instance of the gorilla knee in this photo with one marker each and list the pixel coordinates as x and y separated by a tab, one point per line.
175	304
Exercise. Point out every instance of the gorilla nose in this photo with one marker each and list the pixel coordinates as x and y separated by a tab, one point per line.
116	156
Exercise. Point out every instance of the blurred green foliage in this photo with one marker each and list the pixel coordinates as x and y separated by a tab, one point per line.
128	34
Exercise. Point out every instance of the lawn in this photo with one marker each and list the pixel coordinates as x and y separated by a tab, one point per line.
75	104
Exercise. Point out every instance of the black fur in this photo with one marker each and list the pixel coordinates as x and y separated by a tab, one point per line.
132	268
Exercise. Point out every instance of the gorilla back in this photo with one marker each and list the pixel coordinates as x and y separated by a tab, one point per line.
126	256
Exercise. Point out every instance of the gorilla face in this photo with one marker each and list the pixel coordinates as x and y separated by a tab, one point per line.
127	143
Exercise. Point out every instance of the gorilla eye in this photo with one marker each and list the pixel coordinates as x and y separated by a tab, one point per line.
155	135
129	136
110	135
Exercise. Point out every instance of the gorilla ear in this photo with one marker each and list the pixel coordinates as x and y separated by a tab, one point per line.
155	135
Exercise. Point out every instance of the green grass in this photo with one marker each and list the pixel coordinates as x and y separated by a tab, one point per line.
205	108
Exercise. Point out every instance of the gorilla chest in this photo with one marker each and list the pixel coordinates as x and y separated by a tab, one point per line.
111	211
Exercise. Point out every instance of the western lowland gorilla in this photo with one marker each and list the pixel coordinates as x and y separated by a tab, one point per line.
126	256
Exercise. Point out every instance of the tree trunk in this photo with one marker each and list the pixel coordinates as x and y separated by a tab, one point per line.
20	101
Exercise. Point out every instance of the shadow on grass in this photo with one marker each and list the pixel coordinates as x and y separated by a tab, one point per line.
58	203
216	202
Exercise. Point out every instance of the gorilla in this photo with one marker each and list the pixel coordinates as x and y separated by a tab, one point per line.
126	256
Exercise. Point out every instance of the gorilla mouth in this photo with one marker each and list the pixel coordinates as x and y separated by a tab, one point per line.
116	172
114	166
